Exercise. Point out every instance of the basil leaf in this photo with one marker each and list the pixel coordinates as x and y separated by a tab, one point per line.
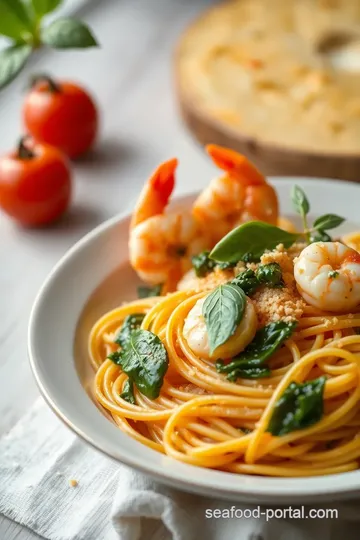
328	221
68	34
15	21
247	280
253	237
131	323
145	360
128	392
266	342
300	406
12	61
223	310
43	7
320	236
300	201
202	264
147	292
270	275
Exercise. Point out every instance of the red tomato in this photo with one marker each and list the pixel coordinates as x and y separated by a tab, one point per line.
61	114
35	183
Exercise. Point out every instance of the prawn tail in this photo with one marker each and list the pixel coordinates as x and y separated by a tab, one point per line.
236	165
156	193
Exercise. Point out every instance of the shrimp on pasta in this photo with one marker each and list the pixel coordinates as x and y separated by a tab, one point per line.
162	242
240	195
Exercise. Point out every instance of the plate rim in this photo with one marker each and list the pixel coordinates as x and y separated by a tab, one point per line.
326	489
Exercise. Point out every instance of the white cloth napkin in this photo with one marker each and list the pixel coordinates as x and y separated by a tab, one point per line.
40	459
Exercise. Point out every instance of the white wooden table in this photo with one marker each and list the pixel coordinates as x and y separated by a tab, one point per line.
131	77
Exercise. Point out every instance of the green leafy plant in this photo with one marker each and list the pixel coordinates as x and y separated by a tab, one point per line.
203	265
324	223
22	22
145	360
223	310
300	406
247	280
270	275
251	238
128	392
130	324
250	363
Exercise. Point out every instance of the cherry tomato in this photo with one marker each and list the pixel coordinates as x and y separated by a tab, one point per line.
61	114
35	183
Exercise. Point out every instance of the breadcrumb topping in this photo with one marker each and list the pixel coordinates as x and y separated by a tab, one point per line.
271	304
285	303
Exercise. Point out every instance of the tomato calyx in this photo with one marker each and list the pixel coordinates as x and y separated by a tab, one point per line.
52	86
23	150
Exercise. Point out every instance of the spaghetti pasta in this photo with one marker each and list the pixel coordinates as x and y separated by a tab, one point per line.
281	309
203	419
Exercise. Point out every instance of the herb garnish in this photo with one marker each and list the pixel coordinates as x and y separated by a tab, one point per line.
247	280
316	233
223	310
270	275
203	265
145	360
128	392
22	22
266	274
333	274
250	363
253	237
300	406
131	323
145	292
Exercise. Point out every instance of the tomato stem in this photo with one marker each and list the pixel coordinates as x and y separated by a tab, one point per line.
53	86
24	152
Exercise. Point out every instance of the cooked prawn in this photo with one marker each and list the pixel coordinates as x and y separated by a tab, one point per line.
161	244
328	276
197	338
242	194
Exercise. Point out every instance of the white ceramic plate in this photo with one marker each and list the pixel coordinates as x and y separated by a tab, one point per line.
52	327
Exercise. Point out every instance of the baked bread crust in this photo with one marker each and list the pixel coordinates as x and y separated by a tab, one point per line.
256	75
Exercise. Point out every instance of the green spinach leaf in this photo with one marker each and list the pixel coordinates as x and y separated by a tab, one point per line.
247	280
145	360
223	310
128	392
202	264
300	406
252	238
130	324
266	342
247	373
270	275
